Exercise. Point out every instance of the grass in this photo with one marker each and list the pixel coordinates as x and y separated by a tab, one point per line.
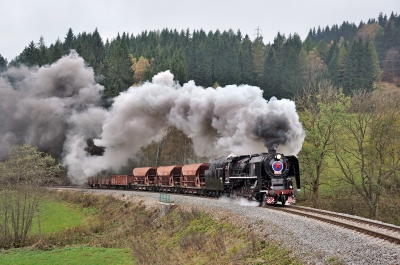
127	233
58	216
71	255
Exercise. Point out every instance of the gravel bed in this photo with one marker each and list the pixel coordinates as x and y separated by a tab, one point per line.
314	242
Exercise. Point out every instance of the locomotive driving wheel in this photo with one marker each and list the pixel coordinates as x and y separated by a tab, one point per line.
244	192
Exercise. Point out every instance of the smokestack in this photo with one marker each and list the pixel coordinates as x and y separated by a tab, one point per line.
272	151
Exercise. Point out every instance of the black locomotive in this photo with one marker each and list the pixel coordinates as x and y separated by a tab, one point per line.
265	177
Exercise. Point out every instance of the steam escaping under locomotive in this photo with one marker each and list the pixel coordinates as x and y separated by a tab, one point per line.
264	177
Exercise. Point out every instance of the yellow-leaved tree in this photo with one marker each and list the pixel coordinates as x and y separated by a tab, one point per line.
139	67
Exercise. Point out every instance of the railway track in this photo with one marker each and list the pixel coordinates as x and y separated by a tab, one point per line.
372	228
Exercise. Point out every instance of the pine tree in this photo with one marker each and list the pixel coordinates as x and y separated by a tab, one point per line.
119	76
308	44
271	76
246	61
333	64
377	71
43	57
69	42
342	61
272	70
217	51
359	73
322	50
3	64
291	68
97	53
179	68
229	59
56	51
29	56
199	59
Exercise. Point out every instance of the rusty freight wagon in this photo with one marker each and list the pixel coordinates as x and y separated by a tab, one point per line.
123	181
99	182
193	175
169	177
144	178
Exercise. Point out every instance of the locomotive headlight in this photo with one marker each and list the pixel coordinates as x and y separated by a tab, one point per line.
290	187
278	156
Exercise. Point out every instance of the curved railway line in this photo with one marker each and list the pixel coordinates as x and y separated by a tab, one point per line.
377	229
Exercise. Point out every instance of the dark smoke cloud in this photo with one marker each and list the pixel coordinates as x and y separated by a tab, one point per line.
277	128
36	104
57	109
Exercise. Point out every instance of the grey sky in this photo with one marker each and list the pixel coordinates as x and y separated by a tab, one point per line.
22	21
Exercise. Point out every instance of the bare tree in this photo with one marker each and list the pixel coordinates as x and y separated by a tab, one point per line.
21	176
367	149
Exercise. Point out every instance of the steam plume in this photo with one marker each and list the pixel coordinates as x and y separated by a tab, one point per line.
36	104
57	109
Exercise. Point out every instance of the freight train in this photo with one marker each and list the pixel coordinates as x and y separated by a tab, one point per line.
264	177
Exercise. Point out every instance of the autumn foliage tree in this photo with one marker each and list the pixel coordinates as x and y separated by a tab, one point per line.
139	67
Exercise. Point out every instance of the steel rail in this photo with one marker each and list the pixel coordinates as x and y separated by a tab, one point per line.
295	210
350	218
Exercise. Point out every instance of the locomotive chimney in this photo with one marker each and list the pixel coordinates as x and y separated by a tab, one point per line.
272	150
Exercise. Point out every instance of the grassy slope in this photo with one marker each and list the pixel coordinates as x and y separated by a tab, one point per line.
72	255
123	228
58	217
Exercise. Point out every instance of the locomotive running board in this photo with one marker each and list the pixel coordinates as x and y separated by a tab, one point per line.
254	177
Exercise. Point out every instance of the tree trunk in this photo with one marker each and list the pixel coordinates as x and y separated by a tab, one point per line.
315	193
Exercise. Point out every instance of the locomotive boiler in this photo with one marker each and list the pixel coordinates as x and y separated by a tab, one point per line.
265	177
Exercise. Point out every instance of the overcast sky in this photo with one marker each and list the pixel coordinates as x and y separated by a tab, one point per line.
22	21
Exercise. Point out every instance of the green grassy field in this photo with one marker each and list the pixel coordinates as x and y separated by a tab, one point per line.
72	255
57	216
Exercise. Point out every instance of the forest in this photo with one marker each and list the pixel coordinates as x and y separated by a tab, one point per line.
348	55
345	80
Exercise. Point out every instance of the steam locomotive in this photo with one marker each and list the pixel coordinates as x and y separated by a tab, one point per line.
265	177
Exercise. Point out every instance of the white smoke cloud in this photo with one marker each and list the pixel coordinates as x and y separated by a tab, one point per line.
239	201
58	108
